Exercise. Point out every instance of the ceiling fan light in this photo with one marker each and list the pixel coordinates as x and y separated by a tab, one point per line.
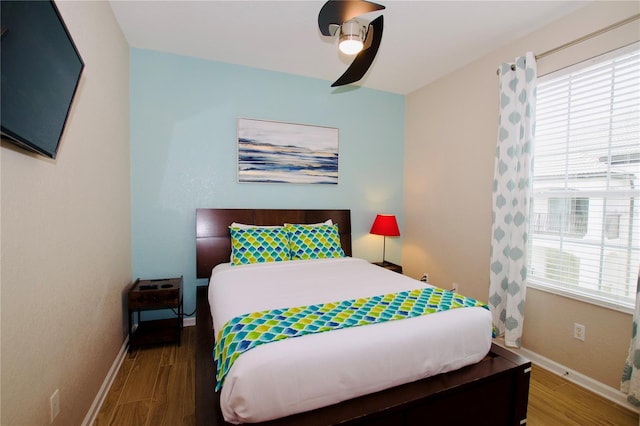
350	46
351	37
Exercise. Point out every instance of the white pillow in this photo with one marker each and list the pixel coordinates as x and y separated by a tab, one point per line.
247	226
326	222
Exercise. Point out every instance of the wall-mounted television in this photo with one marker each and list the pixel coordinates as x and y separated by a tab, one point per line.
41	69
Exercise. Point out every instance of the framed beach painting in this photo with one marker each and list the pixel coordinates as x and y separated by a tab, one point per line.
275	152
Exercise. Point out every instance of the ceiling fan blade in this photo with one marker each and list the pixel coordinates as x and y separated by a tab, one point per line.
337	12
364	59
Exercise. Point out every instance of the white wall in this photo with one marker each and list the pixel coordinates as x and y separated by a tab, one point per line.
66	246
451	128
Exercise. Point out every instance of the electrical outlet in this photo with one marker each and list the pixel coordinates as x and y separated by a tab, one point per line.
54	402
455	287
425	278
579	331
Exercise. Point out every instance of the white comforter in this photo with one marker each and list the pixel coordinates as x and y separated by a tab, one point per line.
304	373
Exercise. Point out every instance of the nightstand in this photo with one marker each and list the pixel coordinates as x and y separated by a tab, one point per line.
390	266
147	295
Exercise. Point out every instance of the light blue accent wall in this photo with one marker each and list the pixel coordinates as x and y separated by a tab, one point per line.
184	114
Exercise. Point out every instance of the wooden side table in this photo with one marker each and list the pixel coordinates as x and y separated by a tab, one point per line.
147	295
390	266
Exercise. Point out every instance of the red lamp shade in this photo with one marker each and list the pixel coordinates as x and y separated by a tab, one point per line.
385	224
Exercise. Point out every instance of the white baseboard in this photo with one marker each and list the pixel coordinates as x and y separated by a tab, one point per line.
92	414
90	418
599	388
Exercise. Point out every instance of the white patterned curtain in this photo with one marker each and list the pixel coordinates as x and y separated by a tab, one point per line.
511	191
630	383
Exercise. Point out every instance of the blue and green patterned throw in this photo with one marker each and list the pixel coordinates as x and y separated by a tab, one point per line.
247	331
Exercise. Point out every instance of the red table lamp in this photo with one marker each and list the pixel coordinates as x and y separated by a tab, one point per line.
387	226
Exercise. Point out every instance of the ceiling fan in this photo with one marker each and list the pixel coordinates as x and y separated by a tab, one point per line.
355	36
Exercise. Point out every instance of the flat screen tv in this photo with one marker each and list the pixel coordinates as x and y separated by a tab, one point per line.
41	69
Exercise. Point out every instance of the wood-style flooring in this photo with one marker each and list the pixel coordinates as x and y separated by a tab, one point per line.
155	386
554	400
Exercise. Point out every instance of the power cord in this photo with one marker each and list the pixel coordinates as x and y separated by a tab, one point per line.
183	314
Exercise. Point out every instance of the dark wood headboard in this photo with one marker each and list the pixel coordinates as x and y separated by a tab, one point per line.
213	242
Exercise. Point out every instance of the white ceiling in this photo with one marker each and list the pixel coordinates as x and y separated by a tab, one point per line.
422	40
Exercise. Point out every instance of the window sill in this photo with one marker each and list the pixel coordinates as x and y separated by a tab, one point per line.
583	297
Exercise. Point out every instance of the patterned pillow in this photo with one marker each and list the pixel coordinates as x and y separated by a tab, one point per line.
314	242
258	245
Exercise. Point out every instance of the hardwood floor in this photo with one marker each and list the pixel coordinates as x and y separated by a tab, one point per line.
556	401
155	386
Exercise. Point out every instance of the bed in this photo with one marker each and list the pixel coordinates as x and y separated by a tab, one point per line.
491	391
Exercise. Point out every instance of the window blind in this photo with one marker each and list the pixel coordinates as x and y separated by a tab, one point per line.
585	222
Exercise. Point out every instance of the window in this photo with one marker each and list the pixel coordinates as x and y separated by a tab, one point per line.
585	221
570	215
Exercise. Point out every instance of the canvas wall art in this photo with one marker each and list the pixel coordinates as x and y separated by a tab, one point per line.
275	152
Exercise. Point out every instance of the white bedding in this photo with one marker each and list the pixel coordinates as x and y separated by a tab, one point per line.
308	372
